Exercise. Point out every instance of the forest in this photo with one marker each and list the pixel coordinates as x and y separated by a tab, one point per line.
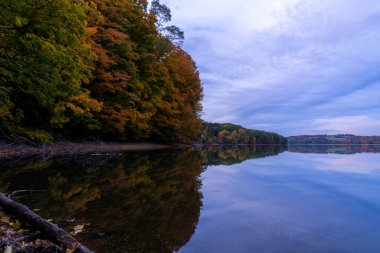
111	70
227	133
339	139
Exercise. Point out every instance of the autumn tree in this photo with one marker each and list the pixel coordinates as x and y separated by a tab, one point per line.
178	115
148	90
234	134
169	36
126	77
114	68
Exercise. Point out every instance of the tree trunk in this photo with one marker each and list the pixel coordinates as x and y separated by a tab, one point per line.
47	228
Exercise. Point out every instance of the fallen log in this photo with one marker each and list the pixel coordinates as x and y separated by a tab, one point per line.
51	230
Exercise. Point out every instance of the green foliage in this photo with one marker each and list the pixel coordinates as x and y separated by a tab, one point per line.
214	133
43	62
31	134
344	139
5	103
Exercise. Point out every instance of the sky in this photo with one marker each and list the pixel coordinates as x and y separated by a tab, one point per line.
288	66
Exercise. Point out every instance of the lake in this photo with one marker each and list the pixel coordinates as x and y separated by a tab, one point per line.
227	199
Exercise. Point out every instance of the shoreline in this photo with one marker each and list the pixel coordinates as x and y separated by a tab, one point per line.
72	148
11	150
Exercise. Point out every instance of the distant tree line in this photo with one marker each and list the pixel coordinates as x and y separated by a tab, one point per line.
110	69
341	139
215	133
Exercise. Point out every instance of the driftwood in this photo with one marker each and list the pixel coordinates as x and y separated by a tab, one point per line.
11	195
45	227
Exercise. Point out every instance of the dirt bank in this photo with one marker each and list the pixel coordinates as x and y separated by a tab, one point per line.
63	147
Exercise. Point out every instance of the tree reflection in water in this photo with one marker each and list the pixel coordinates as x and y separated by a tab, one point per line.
136	202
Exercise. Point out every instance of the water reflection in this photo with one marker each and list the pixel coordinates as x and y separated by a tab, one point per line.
334	149
137	202
132	203
158	202
291	203
228	155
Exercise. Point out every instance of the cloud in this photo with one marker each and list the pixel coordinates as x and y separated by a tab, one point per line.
289	66
348	124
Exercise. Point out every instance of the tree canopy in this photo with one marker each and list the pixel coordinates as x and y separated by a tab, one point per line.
106	69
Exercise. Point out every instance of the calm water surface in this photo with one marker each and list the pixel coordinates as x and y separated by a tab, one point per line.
220	199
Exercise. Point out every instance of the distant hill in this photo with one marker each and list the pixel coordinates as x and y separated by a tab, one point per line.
334	149
333	139
227	133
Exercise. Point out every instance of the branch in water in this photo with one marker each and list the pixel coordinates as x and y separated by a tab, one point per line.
47	228
11	195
